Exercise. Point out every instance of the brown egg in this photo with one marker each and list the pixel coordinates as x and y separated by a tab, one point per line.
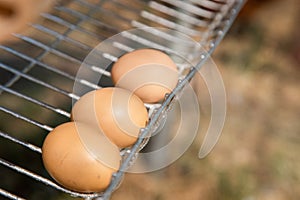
16	15
80	158
149	73
117	112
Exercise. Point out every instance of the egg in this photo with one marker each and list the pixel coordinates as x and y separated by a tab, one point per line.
80	158
149	73
117	112
16	15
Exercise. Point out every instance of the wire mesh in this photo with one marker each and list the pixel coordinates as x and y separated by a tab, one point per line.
38	71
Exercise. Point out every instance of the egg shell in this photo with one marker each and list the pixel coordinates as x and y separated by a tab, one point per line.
75	167
149	73
117	112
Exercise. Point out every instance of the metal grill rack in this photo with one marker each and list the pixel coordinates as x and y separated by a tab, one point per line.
38	71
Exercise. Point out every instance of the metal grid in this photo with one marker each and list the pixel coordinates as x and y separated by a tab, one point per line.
39	70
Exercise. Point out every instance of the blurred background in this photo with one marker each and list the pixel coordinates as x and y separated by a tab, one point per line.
257	156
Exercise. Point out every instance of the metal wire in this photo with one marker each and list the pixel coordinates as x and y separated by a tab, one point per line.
206	21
